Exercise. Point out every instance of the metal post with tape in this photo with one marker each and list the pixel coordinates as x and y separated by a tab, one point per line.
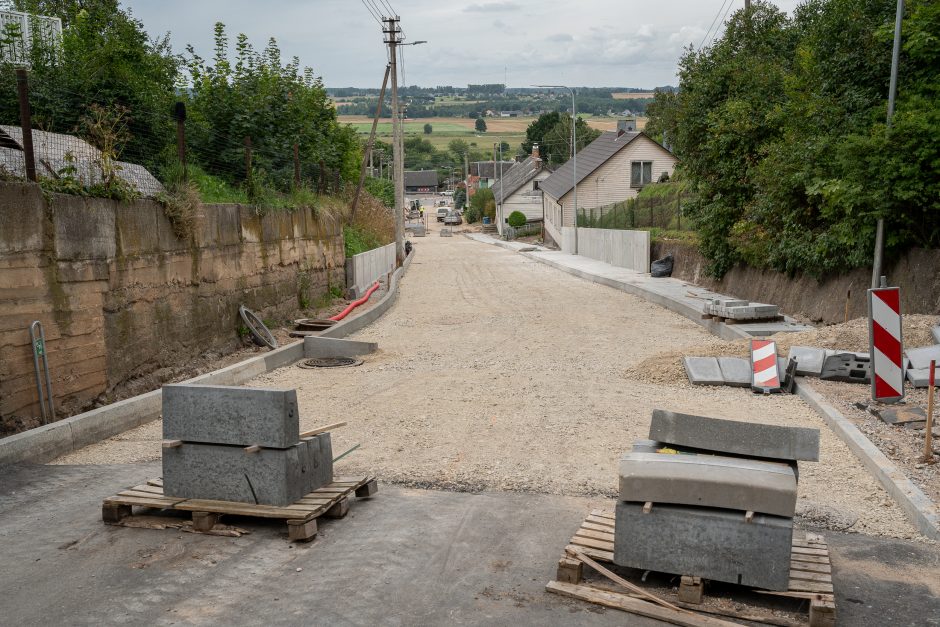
886	343
765	372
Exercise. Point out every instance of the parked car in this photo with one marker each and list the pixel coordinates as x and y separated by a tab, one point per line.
447	193
453	217
441	213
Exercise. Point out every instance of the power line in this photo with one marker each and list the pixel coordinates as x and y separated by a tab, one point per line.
389	7
720	9
371	11
722	22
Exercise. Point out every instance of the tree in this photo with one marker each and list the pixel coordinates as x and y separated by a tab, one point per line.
504	146
556	144
460	198
428	129
458	149
535	132
480	125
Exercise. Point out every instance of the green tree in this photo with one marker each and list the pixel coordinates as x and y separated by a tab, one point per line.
556	144
535	132
458	148
428	129
480	125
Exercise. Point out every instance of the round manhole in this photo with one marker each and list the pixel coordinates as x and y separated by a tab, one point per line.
330	362
313	324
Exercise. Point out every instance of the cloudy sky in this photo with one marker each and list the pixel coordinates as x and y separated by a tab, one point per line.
627	43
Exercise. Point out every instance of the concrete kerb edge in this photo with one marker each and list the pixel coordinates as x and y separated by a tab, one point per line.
916	505
59	438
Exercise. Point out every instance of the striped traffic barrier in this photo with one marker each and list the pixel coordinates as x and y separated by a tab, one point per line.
765	373
887	346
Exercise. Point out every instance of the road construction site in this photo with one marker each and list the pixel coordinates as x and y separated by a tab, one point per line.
494	411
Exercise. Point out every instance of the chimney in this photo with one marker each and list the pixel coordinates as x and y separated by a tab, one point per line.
627	125
535	151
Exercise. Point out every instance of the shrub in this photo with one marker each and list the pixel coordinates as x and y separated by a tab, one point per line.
471	215
516	219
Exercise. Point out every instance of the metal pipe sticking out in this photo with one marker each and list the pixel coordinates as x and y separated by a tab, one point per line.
39	348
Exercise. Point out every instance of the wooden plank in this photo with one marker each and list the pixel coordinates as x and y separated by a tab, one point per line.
593	527
323	429
822	613
597	535
809	559
244	509
600	520
148	488
152	501
798	585
144	495
810	545
804	551
602	513
634	606
803	575
811	568
604	545
598	554
156	482
795	595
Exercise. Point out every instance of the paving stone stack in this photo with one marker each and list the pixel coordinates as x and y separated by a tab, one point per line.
733	309
712	498
240	444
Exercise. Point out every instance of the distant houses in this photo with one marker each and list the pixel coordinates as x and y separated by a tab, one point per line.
611	169
483	174
518	190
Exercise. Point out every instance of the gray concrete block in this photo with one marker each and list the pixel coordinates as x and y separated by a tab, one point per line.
319	461
645	446
735	371
935	331
709	481
318	346
227	473
709	543
240	416
846	367
703	370
920	357
809	360
735	437
920	377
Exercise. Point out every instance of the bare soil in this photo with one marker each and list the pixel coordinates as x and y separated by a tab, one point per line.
496	372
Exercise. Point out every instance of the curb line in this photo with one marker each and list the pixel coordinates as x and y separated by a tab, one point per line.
917	505
53	440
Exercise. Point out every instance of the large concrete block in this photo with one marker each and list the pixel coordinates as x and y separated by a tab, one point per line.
319	461
709	481
735	371
710	543
239	416
228	473
735	437
920	357
920	377
703	370
315	346
809	360
935	331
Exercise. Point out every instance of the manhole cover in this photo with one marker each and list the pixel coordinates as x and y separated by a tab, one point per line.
330	362
313	324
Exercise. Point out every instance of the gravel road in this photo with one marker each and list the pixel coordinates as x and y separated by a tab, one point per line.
496	372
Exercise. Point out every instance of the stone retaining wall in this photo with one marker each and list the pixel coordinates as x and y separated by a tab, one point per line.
122	298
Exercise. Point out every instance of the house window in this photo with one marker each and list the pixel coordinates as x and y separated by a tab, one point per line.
641	173
535	185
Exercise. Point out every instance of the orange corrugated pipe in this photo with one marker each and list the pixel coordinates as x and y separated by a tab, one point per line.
356	303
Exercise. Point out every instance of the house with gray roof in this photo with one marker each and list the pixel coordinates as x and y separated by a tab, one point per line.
518	190
421	181
611	169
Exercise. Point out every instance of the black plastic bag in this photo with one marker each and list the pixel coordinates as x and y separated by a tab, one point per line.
661	267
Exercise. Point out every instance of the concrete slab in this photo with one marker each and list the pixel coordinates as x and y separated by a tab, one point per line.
935	332
315	346
920	357
809	360
709	481
901	415
846	367
319	461
735	371
736	437
709	543
240	416
227	473
703	370
920	377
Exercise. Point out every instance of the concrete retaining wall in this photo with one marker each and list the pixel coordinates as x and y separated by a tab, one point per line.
125	303
365	268
624	249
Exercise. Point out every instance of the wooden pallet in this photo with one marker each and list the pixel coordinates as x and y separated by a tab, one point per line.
331	501
810	571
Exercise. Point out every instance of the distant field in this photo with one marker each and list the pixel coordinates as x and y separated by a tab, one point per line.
464	126
628	95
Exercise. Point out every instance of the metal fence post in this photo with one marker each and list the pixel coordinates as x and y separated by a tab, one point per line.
247	158
180	111
22	89
296	166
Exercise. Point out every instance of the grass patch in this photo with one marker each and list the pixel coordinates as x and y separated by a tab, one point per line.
358	239
214	190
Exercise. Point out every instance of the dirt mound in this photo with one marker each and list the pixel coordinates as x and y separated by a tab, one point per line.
666	368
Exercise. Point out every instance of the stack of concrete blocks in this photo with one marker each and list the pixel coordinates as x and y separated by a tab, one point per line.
739	309
716	503
240	444
918	363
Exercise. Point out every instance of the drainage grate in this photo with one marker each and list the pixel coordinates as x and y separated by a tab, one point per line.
330	362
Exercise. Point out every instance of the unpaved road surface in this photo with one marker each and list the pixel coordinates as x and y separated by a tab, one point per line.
496	372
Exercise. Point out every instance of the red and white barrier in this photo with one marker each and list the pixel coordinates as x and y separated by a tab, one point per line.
765	373
887	347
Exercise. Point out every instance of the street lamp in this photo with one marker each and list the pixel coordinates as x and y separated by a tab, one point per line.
574	157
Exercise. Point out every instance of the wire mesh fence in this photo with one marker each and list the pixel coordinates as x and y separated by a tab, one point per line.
112	151
664	210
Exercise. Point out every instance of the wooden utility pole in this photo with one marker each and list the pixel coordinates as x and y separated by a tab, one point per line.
296	166
367	157
392	34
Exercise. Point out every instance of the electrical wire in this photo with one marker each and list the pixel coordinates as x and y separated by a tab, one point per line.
720	9
721	23
371	11
392	12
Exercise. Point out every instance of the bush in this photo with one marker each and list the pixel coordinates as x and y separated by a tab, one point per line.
471	215
516	219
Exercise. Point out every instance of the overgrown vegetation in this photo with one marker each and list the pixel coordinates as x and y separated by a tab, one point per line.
371	227
656	206
780	125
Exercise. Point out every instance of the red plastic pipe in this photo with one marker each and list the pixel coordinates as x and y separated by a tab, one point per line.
356	303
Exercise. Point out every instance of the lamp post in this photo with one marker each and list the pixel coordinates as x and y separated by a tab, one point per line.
574	158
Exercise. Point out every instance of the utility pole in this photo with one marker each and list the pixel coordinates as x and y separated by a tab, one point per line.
892	90
747	6
368	155
392	34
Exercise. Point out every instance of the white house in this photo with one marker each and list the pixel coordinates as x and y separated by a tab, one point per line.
611	169
518	190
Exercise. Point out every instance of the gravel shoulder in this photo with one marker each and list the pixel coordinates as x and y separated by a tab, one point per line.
496	372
